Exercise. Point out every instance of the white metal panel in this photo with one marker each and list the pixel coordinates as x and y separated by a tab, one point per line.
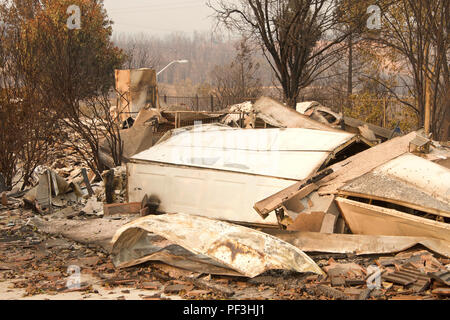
302	107
426	175
289	165
259	140
205	192
283	153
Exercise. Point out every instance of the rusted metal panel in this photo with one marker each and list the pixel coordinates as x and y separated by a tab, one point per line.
244	250
410	277
136	89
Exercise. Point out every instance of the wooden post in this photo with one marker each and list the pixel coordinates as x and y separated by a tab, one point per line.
384	112
86	182
349	72
197	102
4	199
176	120
427	123
50	202
157	98
2	183
427	120
109	186
212	103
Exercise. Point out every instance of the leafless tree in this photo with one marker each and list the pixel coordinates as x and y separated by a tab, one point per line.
80	95
239	80
204	50
86	125
300	38
418	32
140	51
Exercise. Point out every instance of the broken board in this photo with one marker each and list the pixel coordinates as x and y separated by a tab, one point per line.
373	220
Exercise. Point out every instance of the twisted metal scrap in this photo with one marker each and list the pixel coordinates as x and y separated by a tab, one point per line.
242	249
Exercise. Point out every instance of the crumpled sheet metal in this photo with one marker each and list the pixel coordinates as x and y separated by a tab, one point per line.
53	189
244	250
359	244
278	115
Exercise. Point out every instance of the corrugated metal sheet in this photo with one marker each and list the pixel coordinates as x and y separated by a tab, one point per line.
283	153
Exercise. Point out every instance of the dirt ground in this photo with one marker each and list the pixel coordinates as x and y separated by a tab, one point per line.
34	265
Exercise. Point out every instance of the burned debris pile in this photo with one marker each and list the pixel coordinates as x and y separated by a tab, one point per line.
258	201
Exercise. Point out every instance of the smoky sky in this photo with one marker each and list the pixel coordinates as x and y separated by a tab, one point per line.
159	17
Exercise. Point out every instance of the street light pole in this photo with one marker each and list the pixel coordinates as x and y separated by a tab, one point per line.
175	61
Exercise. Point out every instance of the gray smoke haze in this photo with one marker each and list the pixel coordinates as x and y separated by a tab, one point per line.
159	17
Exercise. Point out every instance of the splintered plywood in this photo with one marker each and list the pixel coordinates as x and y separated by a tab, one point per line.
266	206
307	222
313	213
364	162
121	208
372	220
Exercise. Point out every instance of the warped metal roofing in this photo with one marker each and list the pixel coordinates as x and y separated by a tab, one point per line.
247	251
408	180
